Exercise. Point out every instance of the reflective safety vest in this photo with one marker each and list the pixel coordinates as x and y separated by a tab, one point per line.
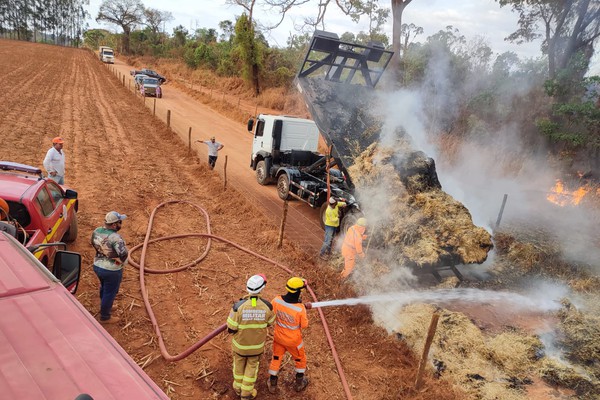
354	238
290	320
249	318
332	214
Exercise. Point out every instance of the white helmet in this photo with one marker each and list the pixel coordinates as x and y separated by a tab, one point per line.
256	283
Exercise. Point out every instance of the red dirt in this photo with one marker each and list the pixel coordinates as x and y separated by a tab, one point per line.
120	157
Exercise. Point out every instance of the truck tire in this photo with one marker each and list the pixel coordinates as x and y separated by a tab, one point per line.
322	214
261	173
73	231
349	219
283	187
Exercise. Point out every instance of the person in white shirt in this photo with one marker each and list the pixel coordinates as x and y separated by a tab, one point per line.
54	163
213	150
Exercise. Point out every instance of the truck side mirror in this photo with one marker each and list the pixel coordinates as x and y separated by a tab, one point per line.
70	194
250	125
67	269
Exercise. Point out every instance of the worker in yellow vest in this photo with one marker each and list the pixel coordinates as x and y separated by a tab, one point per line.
352	246
332	223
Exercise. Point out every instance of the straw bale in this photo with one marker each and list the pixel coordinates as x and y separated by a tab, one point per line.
515	353
556	372
427	226
460	352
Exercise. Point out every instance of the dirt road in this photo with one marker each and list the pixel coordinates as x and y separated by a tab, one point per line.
302	224
121	158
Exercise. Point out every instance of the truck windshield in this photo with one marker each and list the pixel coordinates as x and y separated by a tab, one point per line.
150	81
108	53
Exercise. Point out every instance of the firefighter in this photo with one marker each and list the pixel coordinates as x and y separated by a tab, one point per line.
287	336
248	322
352	246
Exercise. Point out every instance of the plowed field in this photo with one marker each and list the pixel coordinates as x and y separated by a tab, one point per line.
120	157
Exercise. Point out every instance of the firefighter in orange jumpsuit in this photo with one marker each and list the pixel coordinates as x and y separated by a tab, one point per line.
352	246
248	322
290	320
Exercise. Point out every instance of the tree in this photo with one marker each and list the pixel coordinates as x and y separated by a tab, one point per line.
567	28
249	50
124	13
155	18
408	32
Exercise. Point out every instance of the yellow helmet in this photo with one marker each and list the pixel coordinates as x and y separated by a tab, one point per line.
295	284
361	222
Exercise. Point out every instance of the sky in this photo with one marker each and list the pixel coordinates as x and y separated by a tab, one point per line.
472	18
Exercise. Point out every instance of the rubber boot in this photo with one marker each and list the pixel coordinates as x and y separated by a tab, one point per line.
301	382
252	396
272	384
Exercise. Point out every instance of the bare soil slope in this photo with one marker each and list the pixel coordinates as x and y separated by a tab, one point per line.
120	157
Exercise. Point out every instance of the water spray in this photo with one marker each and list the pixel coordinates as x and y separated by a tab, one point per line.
469	295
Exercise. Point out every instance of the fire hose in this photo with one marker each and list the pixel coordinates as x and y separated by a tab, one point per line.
142	269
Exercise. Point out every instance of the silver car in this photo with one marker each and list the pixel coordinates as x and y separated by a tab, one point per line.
150	87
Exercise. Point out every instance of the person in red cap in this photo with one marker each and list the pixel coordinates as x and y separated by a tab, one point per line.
54	163
248	322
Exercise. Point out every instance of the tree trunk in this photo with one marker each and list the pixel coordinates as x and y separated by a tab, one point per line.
398	7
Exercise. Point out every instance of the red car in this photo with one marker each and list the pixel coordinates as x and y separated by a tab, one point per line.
40	210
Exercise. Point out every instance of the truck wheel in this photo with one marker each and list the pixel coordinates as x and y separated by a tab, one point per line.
283	187
349	220
322	214
71	234
261	173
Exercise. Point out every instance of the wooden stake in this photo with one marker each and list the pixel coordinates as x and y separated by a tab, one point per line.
154	108
123	80
168	118
225	174
190	142
430	334
281	228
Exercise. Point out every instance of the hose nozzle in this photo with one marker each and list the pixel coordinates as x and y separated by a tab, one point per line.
308	306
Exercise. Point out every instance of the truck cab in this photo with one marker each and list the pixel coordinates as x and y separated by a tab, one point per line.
106	54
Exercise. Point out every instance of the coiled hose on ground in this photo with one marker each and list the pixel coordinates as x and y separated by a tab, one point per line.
210	237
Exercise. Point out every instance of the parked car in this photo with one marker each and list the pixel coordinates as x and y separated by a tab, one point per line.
149	72
138	80
151	87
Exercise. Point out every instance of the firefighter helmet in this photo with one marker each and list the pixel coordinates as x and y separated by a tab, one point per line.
256	283
361	221
295	284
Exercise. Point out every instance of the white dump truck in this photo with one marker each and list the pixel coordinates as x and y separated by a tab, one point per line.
106	54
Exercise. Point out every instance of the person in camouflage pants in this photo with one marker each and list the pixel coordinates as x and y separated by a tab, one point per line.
111	255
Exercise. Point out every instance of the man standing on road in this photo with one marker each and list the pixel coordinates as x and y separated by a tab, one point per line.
332	222
352	246
111	256
54	162
248	321
290	320
213	150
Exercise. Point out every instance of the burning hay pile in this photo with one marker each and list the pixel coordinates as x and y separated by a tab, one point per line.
422	225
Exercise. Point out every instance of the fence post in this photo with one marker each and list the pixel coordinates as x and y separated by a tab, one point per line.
425	355
225	174
123	80
190	143
154	108
168	118
282	226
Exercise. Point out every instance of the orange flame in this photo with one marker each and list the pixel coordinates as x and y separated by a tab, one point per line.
562	197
